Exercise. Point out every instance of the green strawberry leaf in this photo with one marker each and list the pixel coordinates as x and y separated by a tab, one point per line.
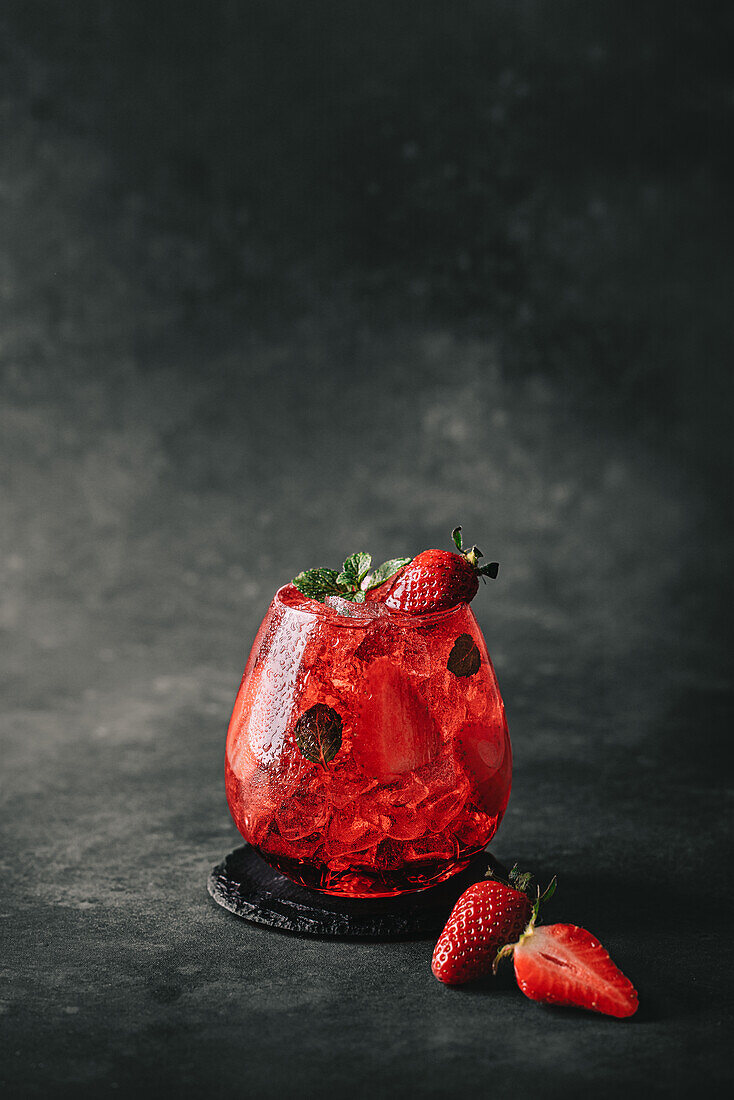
549	890
317	584
357	565
456	536
520	880
384	572
489	570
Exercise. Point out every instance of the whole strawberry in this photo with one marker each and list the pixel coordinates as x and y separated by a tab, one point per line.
487	916
438	579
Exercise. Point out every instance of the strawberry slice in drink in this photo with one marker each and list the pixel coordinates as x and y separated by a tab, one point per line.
394	730
483	752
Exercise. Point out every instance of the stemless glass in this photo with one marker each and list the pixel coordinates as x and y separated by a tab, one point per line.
368	753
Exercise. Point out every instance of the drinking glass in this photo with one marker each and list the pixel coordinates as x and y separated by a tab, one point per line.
368	752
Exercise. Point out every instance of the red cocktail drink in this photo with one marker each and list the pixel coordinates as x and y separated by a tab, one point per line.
367	753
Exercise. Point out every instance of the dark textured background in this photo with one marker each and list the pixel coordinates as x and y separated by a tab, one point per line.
281	281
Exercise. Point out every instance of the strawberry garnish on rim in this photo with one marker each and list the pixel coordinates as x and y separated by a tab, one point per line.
437	579
433	581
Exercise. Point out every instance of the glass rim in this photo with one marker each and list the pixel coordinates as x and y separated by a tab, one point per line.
398	618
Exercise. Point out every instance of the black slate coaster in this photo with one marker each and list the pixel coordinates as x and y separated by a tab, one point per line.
245	885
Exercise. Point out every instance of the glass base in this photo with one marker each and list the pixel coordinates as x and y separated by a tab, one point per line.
368	882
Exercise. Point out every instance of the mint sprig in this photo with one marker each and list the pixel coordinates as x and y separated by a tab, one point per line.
317	584
357	566
384	572
352	582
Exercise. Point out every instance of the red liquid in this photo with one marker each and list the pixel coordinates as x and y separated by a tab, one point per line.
422	777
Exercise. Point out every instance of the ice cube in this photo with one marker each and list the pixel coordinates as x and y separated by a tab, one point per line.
405	823
416	655
431	847
390	855
300	817
448	790
303	848
439	776
440	813
351	610
408	790
474	828
348	831
344	790
381	640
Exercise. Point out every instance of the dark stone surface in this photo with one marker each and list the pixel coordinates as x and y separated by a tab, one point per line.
246	886
282	281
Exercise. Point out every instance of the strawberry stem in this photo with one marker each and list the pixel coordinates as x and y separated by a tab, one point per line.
472	556
521	881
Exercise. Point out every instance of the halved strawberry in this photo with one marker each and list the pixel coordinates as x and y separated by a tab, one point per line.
394	730
437	579
561	964
486	917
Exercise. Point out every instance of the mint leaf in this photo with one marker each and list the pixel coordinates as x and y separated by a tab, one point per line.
357	566
317	584
354	597
346	580
365	561
318	733
385	571
464	658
